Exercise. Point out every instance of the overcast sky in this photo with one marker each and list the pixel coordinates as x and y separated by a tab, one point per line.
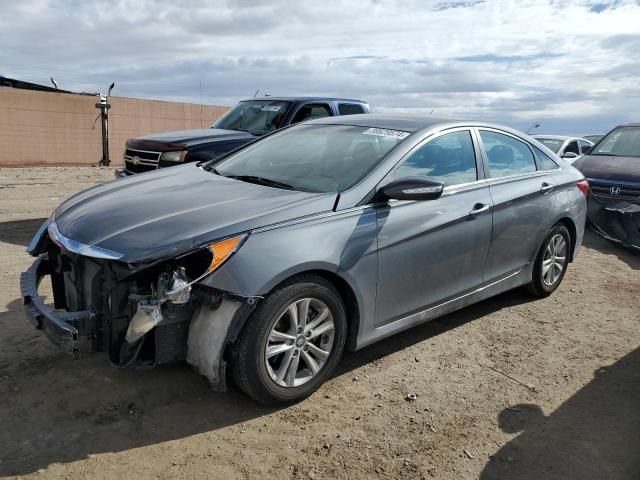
572	66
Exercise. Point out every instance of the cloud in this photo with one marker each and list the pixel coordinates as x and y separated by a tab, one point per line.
561	63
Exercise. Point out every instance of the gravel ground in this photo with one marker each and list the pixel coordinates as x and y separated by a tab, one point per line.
507	389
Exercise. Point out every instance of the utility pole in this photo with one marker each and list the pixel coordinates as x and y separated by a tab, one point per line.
104	107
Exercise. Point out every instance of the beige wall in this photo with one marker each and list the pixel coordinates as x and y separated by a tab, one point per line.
45	128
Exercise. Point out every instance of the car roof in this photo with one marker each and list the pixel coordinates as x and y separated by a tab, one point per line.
554	137
305	99
405	123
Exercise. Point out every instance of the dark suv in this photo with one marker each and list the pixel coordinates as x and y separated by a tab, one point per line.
247	121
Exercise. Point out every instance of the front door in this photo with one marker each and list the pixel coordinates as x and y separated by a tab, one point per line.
431	251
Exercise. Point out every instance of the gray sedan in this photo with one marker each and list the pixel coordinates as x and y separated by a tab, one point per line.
331	234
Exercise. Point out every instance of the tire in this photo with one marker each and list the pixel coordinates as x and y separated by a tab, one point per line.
544	281
271	329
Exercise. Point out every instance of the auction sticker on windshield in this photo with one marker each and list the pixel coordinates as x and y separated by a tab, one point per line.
384	132
271	108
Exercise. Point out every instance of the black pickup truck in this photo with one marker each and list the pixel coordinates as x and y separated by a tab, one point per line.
247	121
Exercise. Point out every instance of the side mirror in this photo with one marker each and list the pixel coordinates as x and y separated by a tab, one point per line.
569	155
412	188
585	149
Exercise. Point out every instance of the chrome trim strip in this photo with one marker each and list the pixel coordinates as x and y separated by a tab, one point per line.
80	248
420	315
614	182
143	151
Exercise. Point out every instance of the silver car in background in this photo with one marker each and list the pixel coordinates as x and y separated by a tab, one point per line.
331	234
565	147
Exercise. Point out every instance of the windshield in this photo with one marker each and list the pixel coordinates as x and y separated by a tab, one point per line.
622	142
551	143
313	158
254	116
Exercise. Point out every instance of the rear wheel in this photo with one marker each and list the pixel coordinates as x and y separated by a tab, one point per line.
292	343
551	262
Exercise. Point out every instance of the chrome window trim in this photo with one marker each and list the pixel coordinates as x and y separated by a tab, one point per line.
80	248
428	139
515	137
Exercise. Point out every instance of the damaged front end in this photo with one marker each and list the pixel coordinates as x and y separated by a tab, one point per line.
139	314
614	211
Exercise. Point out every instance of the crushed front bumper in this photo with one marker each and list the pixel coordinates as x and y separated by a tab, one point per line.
617	221
63	328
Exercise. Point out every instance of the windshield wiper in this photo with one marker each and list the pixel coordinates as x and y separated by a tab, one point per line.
262	181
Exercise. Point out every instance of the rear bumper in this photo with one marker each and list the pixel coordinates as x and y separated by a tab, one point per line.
62	328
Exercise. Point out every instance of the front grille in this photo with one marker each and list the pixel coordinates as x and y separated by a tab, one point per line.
142	154
139	168
138	161
612	190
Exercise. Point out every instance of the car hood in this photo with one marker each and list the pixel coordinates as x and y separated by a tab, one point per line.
171	211
186	138
608	167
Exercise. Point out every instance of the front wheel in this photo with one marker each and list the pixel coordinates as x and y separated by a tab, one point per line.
292	343
551	262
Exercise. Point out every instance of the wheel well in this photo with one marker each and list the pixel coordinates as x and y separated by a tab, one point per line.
567	222
350	304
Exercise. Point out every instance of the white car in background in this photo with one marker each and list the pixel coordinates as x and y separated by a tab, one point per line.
566	147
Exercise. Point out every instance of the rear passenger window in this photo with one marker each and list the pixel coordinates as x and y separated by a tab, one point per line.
545	161
507	156
449	158
350	109
309	112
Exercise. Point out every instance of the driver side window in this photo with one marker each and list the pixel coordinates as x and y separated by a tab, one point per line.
449	158
311	111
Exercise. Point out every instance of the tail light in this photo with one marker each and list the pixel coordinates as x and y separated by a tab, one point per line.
583	186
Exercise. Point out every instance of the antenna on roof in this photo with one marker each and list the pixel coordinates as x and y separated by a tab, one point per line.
54	83
256	94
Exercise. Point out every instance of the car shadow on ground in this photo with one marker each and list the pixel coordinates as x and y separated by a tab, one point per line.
19	232
54	409
594	434
627	255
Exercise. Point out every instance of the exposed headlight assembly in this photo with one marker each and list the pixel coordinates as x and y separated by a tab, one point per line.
204	261
175	287
174	157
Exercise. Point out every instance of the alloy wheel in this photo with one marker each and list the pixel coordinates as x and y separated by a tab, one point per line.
554	260
299	342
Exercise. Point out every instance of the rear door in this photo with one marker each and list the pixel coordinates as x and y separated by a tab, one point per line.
523	196
430	251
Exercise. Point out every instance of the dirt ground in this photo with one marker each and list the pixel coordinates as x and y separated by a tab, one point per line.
507	389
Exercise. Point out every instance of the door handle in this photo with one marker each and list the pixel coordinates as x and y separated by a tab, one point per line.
546	187
479	208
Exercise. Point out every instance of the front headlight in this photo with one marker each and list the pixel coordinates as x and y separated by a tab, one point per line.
206	260
175	157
